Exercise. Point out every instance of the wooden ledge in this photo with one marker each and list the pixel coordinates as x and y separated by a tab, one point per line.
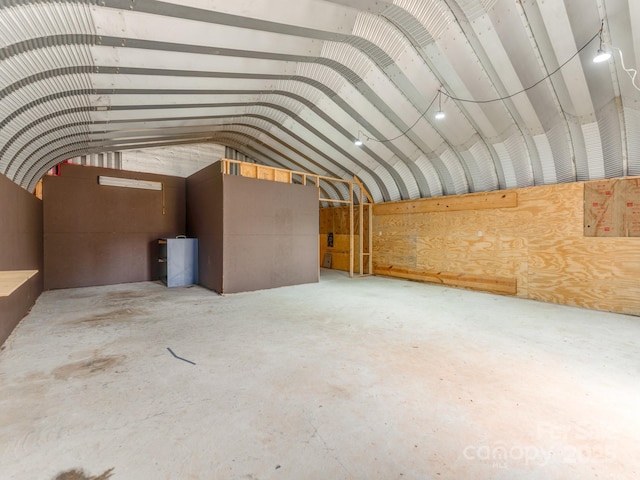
11	280
451	203
503	285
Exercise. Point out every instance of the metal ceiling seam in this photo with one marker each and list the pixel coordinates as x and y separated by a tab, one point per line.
28	176
333	145
459	176
563	153
568	163
369	31
435	186
291	153
392	117
267	160
429	14
114	41
111	142
516	147
396	44
138	43
607	125
632	120
12	164
507	165
612	145
35	172
573	86
593	147
483	157
394	194
298	139
320	167
285	163
347	141
317	72
582	167
479	49
418	177
31	149
546	159
51	99
114	107
419	48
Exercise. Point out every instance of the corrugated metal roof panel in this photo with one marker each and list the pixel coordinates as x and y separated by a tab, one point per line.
382	35
559	141
481	167
430	173
519	155
610	131
632	119
593	147
453	165
434	15
546	159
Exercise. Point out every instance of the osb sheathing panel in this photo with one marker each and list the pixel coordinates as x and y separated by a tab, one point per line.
340	251
336	220
539	243
612	208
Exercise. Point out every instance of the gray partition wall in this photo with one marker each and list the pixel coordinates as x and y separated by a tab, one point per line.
253	234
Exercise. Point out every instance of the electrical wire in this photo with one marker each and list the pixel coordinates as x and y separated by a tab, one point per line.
506	97
628	70
408	129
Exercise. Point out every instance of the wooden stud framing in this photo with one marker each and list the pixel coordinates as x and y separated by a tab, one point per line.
351	230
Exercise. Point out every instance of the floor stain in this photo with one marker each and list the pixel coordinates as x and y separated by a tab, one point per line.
126	294
82	295
80	475
113	315
86	368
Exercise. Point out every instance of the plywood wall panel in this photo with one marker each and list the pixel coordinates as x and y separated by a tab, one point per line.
631	205
539	245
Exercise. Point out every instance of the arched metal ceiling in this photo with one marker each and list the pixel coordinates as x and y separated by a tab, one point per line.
291	83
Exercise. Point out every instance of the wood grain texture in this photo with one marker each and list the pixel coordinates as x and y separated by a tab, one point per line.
602	212
11	280
472	201
336	220
340	251
612	208
539	245
631	205
476	282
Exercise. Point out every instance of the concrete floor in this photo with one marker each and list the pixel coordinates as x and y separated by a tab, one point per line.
347	379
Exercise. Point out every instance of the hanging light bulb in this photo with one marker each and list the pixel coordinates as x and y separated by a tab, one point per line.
439	114
601	55
358	142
